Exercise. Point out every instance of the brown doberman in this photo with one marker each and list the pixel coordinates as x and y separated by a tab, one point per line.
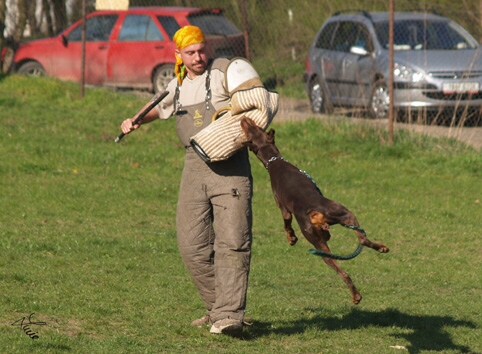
296	193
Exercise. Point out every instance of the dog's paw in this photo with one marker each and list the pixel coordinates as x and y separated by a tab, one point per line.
357	299
383	249
291	237
292	240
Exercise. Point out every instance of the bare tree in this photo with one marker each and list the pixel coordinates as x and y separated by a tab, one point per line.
49	31
17	33
3	9
22	9
60	14
32	19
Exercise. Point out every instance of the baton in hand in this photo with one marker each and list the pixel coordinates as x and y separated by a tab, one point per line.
140	116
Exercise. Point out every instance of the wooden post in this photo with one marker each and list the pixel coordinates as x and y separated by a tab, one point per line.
82	62
390	71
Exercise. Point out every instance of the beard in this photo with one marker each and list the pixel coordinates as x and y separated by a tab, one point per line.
199	67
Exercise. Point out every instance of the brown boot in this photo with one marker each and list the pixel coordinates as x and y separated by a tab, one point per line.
228	326
203	321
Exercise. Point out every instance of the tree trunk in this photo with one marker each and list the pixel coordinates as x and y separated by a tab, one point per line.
17	34
32	19
3	7
22	9
60	15
48	18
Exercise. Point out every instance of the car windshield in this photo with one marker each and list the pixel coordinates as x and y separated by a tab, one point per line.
214	25
425	35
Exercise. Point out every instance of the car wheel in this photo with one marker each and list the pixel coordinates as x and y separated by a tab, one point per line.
380	100
163	75
319	101
32	68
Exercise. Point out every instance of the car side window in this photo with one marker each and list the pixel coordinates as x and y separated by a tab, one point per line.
363	38
139	28
344	37
97	29
324	39
169	24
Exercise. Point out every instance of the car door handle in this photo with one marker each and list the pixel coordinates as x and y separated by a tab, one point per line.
102	47
159	47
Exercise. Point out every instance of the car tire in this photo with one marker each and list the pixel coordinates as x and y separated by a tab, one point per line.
32	68
380	100
162	76
318	98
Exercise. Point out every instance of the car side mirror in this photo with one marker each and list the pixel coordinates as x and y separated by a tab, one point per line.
359	51
64	40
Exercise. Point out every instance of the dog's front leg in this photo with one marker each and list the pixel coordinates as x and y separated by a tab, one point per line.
288	218
290	233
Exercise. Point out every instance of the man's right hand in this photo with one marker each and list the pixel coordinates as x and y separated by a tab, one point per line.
127	126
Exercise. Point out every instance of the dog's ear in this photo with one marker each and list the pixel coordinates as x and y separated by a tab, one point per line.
271	136
250	121
246	121
249	144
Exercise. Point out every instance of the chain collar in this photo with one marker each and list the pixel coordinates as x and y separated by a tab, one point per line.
274	158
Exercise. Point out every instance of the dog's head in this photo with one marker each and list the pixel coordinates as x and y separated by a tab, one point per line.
256	137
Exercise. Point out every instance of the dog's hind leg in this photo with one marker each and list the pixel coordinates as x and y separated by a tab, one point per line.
351	222
366	242
355	294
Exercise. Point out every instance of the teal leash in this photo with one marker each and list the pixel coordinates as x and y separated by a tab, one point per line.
312	180
337	257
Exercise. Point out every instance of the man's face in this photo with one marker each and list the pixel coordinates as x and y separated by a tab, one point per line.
194	58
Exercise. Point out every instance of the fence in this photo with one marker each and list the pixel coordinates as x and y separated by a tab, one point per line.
278	33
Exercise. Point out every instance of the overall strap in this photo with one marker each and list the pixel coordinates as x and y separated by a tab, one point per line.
177	104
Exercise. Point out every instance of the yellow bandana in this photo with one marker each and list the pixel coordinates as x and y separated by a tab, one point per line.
183	38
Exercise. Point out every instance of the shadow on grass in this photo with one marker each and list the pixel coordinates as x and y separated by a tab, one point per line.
423	332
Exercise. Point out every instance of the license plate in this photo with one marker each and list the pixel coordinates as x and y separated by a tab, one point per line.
460	87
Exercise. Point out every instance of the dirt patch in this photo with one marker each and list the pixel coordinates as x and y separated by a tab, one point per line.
296	109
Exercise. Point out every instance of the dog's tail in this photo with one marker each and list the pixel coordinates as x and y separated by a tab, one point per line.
342	258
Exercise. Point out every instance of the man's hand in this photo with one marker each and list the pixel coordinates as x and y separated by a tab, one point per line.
127	126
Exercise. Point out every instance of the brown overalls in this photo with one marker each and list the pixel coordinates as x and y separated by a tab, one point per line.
214	216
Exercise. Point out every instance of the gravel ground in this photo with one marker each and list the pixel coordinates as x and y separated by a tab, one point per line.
293	109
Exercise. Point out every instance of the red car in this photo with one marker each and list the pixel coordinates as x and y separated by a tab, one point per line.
127	48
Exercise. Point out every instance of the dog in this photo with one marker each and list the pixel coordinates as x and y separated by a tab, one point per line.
296	194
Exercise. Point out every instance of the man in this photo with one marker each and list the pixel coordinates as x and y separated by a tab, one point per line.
214	216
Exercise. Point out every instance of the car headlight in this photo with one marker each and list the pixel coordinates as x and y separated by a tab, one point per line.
406	73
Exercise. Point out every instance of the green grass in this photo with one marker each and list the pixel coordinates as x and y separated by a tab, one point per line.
88	239
282	75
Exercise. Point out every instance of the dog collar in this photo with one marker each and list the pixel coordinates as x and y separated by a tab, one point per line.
274	158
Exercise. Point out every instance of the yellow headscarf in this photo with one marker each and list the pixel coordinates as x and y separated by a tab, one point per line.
183	38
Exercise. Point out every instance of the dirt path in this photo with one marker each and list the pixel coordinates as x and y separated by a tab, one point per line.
293	109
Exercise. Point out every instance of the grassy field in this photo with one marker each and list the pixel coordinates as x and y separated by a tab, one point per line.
88	239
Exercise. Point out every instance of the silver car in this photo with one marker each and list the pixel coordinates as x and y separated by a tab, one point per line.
437	64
